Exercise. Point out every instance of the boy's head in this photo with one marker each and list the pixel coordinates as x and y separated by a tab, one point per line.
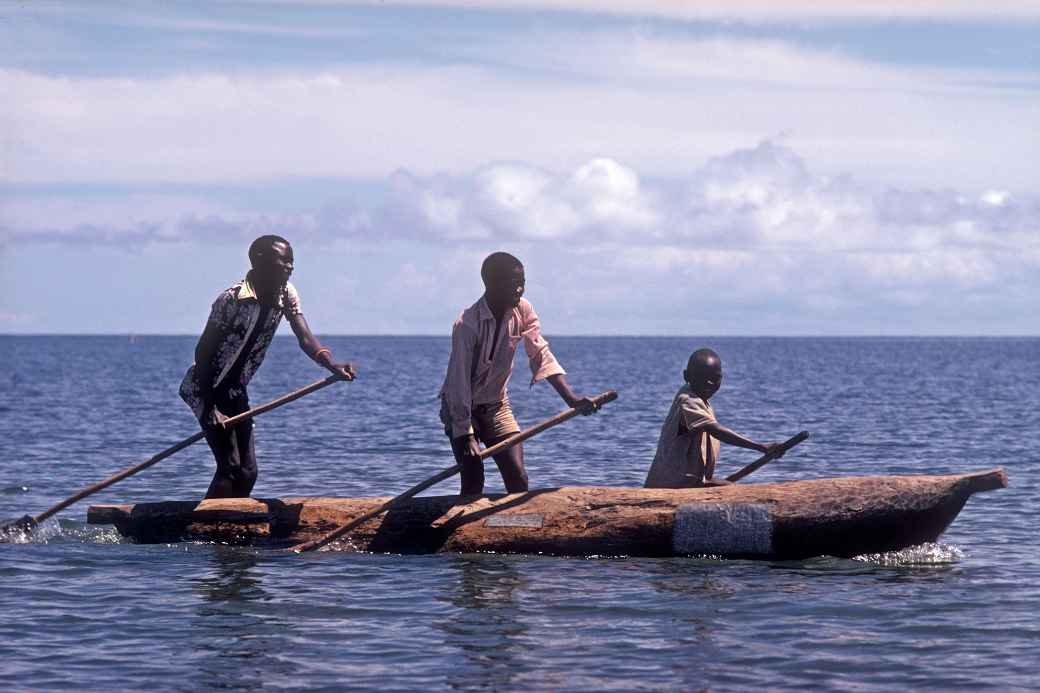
272	259
503	277
704	373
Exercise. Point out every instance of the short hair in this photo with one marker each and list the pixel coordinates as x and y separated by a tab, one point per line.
497	264
700	361
263	244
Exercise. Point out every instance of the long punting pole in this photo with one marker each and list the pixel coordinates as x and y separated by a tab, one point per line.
600	400
27	522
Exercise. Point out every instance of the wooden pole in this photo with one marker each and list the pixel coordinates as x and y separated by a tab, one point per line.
767	458
600	400
28	522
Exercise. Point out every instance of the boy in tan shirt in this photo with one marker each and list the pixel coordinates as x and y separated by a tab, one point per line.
689	443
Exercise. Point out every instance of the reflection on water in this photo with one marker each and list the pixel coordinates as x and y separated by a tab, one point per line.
486	629
692	577
231	580
233	641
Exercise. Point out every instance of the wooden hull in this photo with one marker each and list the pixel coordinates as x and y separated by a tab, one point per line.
790	520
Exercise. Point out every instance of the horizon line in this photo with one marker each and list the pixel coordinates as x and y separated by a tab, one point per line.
135	335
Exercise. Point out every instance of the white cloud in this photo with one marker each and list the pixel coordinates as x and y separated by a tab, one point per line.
758	10
760	212
996	198
647	54
40	213
754	241
656	103
137	219
520	202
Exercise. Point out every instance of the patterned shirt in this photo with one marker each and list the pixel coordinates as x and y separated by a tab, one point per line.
686	454
479	368
236	314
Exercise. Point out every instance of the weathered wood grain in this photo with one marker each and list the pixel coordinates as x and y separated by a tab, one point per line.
789	520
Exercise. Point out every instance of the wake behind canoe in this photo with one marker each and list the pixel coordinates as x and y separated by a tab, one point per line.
788	520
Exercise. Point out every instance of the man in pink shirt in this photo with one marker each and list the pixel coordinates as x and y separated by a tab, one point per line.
474	398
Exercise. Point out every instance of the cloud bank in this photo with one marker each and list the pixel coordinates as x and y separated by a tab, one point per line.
760	211
655	102
760	214
616	155
760	10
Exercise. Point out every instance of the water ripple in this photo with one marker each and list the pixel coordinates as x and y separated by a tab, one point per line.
196	616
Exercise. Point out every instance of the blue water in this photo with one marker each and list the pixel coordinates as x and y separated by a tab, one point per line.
83	609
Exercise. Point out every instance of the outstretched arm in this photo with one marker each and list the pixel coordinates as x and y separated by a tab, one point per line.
313	348
580	402
544	364
730	437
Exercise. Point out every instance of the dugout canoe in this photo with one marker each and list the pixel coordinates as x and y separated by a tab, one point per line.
789	520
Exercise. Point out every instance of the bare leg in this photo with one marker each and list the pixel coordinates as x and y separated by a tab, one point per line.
472	474
223	445
245	476
511	466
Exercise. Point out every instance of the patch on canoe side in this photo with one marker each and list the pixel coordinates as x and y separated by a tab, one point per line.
515	520
721	529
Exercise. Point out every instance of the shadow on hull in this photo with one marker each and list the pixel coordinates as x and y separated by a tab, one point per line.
791	520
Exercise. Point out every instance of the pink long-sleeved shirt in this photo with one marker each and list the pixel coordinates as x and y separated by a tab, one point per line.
478	370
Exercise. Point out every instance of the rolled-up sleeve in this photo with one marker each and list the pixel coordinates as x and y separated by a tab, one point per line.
542	361
694	413
458	390
291	300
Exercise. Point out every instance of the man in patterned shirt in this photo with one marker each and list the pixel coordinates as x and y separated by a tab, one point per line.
474	400
241	325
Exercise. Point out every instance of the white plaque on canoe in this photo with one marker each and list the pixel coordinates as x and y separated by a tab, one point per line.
515	520
723	529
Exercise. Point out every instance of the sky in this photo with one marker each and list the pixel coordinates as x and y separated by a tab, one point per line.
661	168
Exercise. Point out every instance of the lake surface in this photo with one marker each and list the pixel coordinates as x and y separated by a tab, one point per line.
85	610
